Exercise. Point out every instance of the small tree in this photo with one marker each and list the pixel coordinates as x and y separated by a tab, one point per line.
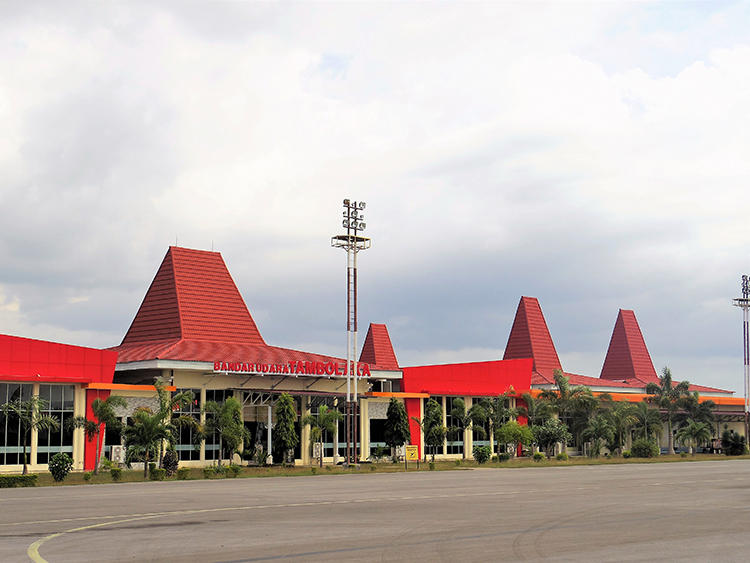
550	433
511	434
432	426
599	429
623	418
285	435
694	433
397	431
143	438
325	420
648	423
104	417
473	419
29	414
225	420
498	412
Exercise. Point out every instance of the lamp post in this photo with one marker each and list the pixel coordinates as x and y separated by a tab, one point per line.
744	303
352	242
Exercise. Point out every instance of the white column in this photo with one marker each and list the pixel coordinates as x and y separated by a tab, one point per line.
269	457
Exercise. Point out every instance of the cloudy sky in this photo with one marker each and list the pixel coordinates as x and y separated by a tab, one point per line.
595	156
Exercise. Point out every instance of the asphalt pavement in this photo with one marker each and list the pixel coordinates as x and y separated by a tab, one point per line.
640	512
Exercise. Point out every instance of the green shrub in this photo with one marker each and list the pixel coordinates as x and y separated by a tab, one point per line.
482	454
643	447
87	476
60	465
458	463
562	456
183	473
505	456
328	467
432	466
233	470
372	468
313	470
208	473
11	481
116	474
158	474
626	454
733	443
683	454
151	467
170	462
538	456
106	464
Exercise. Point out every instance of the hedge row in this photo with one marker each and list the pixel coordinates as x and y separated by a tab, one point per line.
9	481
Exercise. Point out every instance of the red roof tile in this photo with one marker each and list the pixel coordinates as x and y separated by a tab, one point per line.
193	297
530	338
575	379
627	355
377	349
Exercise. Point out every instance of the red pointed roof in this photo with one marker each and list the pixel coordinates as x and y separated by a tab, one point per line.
377	349
627	355
192	305
193	297
530	338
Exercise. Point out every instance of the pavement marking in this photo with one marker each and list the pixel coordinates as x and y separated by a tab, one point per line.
33	549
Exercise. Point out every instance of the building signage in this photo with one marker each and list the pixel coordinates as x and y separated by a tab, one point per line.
299	367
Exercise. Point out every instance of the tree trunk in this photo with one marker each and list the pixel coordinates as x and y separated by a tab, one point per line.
145	465
96	453
321	451
25	467
671	437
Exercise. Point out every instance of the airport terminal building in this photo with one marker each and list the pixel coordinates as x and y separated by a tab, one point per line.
194	331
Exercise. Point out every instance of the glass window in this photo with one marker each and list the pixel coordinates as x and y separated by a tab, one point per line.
212	441
184	445
455	435
52	441
11	436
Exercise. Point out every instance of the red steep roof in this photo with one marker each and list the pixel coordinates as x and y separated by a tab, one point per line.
530	338
377	349
193	297
627	355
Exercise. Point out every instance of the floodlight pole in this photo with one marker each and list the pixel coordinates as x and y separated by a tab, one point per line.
352	243
744	303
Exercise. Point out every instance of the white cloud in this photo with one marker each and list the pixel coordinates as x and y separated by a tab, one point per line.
592	155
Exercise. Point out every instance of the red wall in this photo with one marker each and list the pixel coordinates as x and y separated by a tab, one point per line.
38	361
475	379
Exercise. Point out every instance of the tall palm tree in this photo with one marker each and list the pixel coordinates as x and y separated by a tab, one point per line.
474	418
325	420
143	438
574	405
648	421
668	397
29	414
694	433
104	417
169	403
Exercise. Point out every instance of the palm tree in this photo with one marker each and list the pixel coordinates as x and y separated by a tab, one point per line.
623	417
325	420
225	420
498	413
694	433
104	417
574	405
29	414
536	411
695	409
143	438
668	398
599	429
168	404
648	421
474	418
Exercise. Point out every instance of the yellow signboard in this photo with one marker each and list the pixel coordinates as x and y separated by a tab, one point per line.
412	453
